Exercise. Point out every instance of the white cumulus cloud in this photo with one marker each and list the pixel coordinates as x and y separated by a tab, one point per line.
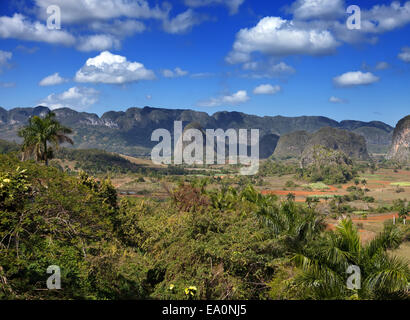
183	22
98	42
382	18
266	89
314	9
52	80
94	10
275	36
355	78
228	100
19	27
76	98
112	69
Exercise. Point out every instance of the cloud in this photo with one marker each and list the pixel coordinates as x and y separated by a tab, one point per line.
77	98
177	72
317	9
98	42
202	75
336	100
99	10
233	5
19	27
269	69
382	65
278	37
183	22
382	18
5	56
7	84
119	28
267	89
355	78
317	27
229	100
52	80
377	20
405	54
27	50
112	69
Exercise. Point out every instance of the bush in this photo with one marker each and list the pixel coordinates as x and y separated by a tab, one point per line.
49	218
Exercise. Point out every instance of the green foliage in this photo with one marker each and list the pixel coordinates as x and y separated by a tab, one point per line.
324	265
401	184
290	184
201	243
316	186
8	147
328	166
41	131
95	161
48	218
272	167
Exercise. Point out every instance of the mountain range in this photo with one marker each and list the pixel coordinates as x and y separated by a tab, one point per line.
129	132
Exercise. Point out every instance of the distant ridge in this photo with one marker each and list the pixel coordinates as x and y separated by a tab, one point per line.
129	132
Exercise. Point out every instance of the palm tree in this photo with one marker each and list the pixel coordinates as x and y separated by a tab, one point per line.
41	131
295	225
324	266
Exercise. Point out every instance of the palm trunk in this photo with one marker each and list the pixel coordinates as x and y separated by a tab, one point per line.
45	153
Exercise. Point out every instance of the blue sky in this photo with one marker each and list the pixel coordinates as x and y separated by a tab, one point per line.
287	58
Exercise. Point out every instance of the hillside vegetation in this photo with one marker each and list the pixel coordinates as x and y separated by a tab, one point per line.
293	145
129	132
201	243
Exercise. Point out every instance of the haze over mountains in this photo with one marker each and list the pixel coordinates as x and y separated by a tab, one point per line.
129	132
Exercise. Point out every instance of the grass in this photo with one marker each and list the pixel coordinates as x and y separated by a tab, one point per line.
316	186
401	184
360	212
322	196
403	251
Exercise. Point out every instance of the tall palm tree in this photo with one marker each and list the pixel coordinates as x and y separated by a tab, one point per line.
324	266
39	133
295	225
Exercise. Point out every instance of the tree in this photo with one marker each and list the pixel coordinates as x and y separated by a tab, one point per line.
41	131
309	201
403	213
324	266
291	197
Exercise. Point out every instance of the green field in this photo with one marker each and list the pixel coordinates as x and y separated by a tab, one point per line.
401	184
316	186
